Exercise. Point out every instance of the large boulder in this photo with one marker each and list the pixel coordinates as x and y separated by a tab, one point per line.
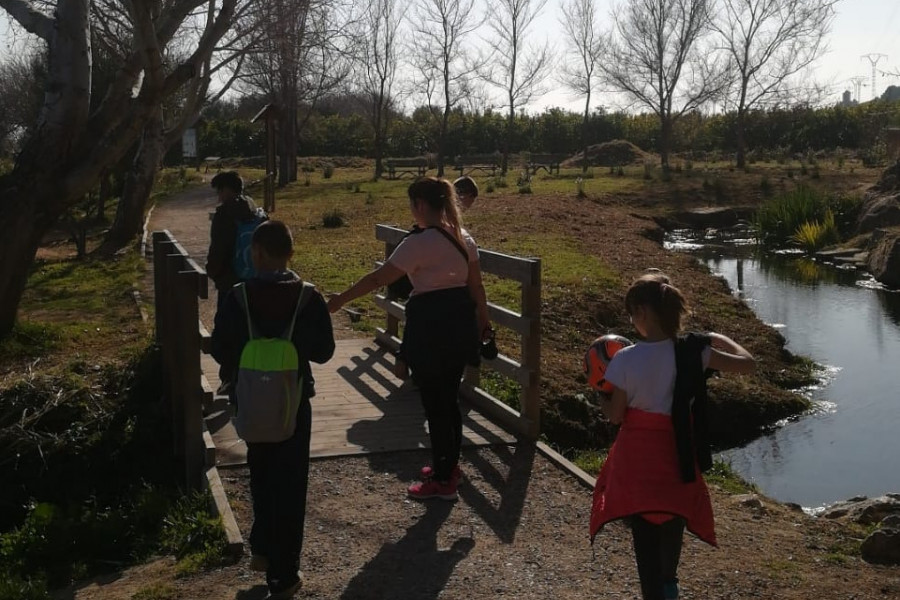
881	206
883	545
865	511
883	261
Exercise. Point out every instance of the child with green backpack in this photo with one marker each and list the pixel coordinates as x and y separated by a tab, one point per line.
265	335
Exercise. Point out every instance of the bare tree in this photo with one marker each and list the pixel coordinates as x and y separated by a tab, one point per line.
515	67
302	55
378	72
769	42
580	71
167	126
656	56
76	136
445	68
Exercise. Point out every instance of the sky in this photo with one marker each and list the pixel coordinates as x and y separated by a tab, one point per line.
861	27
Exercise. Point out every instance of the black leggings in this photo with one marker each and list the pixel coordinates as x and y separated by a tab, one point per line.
657	549
440	398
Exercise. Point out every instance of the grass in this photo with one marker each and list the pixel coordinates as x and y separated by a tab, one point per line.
77	308
590	461
722	475
156	591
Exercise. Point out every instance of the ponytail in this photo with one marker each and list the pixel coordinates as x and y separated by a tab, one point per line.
654	291
440	196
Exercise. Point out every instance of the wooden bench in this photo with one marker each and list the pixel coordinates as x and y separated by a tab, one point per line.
486	163
398	167
548	162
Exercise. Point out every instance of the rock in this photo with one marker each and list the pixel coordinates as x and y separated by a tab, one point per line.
884	257
879	210
891	522
748	501
865	511
882	547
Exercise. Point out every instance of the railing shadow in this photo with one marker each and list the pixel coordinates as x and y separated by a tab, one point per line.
404	419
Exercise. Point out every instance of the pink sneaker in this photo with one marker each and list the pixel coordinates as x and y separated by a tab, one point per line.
427	473
433	489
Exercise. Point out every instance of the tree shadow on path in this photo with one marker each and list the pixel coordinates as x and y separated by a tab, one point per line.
413	568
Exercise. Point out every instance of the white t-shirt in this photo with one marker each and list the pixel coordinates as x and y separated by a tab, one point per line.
433	262
646	373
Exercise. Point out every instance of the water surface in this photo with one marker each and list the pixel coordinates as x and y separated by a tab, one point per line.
843	320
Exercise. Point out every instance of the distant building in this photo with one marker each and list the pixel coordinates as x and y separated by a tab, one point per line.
848	99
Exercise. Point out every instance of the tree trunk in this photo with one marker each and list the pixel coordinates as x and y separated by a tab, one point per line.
103	196
22	225
665	142
442	141
584	133
138	186
504	165
741	155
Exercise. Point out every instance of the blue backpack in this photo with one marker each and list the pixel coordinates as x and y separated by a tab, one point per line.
242	263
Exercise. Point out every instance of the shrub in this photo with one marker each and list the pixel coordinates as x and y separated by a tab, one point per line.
620	172
193	535
765	186
579	185
307	181
333	219
779	219
813	235
328	171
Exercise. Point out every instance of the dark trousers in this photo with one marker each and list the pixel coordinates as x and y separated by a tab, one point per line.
657	549
440	398
279	475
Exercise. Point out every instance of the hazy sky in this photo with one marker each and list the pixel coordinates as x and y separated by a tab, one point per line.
860	27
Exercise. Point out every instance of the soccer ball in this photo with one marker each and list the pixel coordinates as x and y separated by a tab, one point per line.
597	358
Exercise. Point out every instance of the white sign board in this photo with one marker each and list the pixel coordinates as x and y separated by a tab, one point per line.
189	143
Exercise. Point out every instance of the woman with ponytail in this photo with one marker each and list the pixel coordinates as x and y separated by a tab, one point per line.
446	317
652	475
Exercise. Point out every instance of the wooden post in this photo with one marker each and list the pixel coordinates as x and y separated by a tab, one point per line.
174	350
392	328
270	113
188	377
530	399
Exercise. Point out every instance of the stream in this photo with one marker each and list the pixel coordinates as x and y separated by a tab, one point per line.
849	445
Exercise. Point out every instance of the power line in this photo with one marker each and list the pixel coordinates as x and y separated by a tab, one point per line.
874	57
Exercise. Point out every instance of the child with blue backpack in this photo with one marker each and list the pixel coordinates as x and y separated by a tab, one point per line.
266	333
228	260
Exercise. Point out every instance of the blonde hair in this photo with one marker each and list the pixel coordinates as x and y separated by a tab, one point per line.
654	291
440	196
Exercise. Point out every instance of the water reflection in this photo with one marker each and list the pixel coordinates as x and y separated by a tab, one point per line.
843	321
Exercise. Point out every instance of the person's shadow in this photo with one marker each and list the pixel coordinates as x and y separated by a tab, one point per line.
413	568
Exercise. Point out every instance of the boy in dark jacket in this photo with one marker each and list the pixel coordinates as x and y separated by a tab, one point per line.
233	208
278	471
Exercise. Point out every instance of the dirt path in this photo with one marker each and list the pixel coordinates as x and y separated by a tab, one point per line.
187	216
519	531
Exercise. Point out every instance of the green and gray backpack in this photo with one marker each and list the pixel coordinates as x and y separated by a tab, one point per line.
269	381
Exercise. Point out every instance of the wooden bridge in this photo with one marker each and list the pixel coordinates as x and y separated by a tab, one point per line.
360	407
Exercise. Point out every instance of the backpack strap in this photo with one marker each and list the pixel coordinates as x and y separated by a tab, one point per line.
454	241
241	296
306	291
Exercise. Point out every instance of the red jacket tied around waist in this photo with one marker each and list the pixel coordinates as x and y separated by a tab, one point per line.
641	476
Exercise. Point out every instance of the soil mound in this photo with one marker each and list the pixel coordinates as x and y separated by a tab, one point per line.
614	153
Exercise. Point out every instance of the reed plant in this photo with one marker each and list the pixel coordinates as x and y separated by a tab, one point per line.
780	218
815	235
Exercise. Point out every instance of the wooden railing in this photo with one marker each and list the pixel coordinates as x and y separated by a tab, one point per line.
179	284
526	323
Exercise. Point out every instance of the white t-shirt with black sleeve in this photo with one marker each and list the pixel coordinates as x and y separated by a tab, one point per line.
433	262
646	373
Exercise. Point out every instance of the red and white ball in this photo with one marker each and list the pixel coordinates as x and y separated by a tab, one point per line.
597	358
